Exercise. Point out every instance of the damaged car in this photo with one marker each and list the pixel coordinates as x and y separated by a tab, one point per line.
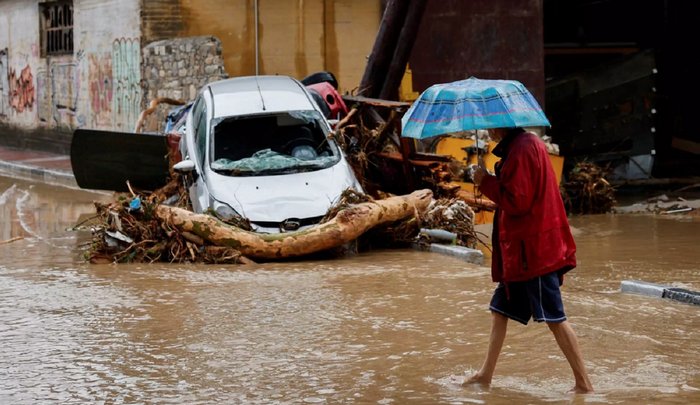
260	147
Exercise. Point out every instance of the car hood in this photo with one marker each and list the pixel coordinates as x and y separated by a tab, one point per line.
276	198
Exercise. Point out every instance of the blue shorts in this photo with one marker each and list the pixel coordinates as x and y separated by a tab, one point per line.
539	299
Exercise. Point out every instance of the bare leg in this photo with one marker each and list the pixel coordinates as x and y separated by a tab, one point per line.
566	339
499	325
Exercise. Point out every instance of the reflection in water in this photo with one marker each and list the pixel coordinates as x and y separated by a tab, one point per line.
38	210
386	327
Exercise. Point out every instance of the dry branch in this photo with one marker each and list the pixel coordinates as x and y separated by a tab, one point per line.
152	107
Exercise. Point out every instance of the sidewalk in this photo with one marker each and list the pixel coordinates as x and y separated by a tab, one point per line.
37	166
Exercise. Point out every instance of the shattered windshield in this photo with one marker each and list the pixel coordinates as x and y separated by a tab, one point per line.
267	161
267	144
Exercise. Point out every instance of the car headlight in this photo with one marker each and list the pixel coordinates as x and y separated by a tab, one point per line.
223	211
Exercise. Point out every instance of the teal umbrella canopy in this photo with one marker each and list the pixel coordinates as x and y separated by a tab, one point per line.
472	104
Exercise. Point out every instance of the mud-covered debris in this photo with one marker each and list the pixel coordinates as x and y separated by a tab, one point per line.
586	191
452	215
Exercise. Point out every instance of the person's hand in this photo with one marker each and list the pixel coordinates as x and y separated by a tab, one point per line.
478	174
479	171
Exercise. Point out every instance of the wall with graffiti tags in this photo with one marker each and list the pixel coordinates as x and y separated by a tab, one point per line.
97	77
96	83
111	65
18	64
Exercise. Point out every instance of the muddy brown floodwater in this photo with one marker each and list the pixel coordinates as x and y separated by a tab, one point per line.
387	327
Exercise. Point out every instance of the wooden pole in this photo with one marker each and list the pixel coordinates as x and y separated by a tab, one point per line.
404	46
384	46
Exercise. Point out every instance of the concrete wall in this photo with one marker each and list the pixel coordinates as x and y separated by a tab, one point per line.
101	85
295	37
97	86
305	36
108	58
19	63
161	19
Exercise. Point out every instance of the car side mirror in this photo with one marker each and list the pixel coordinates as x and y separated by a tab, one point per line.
184	166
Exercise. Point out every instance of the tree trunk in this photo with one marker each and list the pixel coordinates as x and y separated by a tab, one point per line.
347	225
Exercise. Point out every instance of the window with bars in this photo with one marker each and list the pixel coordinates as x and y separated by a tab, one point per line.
56	27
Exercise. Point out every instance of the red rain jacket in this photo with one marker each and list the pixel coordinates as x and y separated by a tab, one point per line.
531	232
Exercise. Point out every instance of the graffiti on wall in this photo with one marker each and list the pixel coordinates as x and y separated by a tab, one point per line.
126	81
64	92
4	85
21	88
43	96
100	87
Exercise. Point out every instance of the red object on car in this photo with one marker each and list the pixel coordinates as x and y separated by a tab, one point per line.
330	95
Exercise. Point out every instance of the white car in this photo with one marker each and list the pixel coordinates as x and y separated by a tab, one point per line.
261	148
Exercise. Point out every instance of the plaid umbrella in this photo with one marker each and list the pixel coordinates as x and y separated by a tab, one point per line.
472	104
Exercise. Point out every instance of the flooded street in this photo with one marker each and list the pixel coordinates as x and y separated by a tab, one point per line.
387	327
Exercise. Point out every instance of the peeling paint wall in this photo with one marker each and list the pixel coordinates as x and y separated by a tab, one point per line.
100	89
62	88
98	85
4	84
19	62
126	83
21	89
108	39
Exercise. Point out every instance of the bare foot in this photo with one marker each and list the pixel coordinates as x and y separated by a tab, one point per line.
477	378
586	389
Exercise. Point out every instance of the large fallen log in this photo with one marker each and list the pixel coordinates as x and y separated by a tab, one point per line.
345	227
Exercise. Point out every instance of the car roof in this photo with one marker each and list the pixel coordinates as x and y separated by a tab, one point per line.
259	94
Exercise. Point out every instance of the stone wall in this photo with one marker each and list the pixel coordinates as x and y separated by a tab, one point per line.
176	69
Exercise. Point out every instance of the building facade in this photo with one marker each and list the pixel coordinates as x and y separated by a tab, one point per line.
67	64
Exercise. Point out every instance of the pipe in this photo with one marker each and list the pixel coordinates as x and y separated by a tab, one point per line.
437	235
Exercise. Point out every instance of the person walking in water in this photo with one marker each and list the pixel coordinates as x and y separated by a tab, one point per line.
532	248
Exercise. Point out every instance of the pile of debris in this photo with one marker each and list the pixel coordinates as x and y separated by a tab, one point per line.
130	231
586	191
161	226
679	202
137	228
454	218
387	164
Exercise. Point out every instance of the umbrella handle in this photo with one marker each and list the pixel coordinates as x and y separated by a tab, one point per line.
480	163
480	159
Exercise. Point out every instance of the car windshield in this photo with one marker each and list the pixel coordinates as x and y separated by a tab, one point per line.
268	144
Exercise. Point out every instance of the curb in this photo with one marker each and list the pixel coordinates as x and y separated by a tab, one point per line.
49	176
660	291
467	254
